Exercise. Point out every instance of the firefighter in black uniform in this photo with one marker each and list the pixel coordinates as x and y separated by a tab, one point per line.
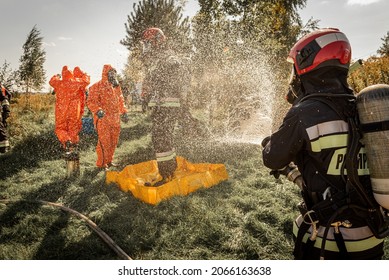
5	111
313	140
162	88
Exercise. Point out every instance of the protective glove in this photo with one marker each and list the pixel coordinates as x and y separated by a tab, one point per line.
100	114
124	117
5	113
265	141
290	171
275	173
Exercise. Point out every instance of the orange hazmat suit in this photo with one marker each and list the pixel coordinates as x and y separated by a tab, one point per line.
70	102
109	99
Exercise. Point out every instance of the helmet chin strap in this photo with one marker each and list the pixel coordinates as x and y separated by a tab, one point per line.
295	87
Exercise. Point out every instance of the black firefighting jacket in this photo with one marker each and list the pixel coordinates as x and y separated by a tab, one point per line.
314	136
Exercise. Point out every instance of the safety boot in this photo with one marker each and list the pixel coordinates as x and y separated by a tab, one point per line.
72	159
163	181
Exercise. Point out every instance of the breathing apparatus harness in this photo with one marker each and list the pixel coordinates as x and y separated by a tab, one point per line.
354	196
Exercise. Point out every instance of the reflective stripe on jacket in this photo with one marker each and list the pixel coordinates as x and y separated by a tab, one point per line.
356	239
165	156
165	102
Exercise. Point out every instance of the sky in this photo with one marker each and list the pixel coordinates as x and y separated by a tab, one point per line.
87	33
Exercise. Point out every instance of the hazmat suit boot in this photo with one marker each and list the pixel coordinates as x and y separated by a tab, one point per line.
112	164
102	168
72	158
73	165
68	147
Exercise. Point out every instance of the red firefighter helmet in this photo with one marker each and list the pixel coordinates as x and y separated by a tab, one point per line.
323	47
152	38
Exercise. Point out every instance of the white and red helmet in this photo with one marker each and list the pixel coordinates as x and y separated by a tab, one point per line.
323	47
152	38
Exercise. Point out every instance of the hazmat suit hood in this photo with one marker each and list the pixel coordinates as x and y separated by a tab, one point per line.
66	73
77	72
109	76
106	69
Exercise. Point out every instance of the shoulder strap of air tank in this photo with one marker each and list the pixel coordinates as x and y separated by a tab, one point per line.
353	145
323	98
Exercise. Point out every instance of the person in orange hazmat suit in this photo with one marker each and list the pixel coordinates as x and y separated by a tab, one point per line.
106	102
69	105
79	75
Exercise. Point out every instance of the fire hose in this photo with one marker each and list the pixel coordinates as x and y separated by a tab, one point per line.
108	240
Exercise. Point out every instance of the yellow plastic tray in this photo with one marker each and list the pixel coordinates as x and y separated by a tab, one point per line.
188	177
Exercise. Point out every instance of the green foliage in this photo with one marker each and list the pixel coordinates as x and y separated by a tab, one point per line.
239	64
7	76
164	14
238	60
384	49
31	69
374	70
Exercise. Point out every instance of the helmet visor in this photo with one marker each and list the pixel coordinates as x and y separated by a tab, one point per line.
294	86
146	47
292	75
112	78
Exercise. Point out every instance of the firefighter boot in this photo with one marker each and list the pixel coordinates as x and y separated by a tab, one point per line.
72	159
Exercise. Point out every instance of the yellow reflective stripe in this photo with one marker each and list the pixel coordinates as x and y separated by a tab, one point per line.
4	102
4	143
165	102
327	142
166	156
171	99
171	104
351	245
334	168
326	128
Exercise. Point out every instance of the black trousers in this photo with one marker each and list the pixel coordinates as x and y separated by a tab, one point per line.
4	144
163	122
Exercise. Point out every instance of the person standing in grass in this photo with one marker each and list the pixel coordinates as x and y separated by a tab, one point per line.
5	111
69	106
163	86
106	102
339	217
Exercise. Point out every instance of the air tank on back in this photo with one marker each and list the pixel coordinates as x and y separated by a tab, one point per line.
373	111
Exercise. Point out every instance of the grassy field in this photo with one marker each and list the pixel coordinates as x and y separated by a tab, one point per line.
247	217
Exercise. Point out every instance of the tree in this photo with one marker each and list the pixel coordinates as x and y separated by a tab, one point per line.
31	69
8	77
375	70
384	49
6	74
164	14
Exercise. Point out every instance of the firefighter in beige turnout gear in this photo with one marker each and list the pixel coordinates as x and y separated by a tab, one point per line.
163	85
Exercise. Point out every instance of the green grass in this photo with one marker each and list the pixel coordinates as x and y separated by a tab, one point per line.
248	216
